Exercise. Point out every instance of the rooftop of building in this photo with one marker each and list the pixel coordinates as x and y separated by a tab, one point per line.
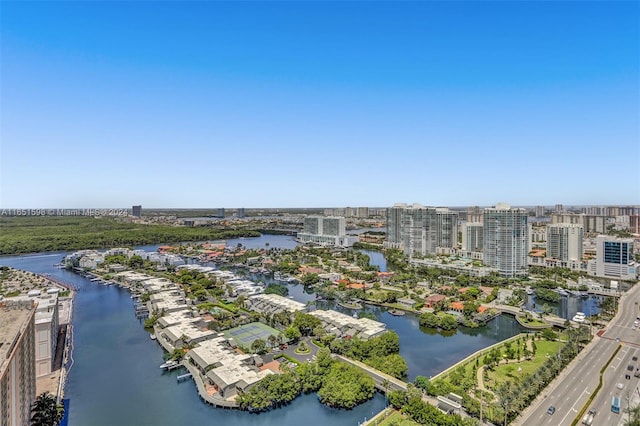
236	374
176	317
214	351
14	317
338	318
189	330
283	302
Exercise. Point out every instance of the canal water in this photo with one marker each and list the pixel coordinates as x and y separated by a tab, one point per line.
567	306
115	377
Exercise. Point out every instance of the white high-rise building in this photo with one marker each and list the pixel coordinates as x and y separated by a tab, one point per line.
312	225
330	230
614	258
394	225
505	239
421	230
472	236
362	212
564	241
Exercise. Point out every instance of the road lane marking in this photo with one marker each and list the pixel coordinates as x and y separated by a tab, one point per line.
573	406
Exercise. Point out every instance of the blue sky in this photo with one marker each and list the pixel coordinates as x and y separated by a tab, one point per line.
294	104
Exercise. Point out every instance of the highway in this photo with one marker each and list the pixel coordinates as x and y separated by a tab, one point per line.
573	387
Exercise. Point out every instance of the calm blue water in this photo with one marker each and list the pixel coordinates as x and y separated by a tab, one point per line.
115	379
376	258
567	306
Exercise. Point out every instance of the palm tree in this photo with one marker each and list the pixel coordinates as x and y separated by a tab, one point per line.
385	385
45	411
634	416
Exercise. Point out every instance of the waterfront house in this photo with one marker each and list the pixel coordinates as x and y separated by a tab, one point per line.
434	301
456	306
231	379
183	334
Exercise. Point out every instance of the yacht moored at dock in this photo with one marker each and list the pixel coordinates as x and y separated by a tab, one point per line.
169	365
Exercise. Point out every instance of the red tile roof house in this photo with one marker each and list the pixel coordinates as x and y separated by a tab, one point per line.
433	300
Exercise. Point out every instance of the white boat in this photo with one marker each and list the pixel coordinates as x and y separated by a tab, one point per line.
579	317
169	364
153	336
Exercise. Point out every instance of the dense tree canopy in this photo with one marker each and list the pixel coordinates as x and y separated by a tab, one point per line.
345	386
35	234
338	385
379	352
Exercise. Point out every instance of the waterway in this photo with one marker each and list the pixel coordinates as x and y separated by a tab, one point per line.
115	378
567	306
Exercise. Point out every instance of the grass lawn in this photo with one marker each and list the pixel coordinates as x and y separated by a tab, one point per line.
532	321
397	419
510	371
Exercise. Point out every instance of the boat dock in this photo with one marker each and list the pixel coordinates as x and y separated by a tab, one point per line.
183	377
59	282
173	367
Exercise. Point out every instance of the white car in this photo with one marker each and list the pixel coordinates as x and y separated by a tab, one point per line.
620	385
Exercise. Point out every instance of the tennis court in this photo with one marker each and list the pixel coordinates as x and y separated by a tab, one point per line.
246	334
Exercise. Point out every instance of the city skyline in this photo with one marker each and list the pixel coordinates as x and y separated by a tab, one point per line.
284	105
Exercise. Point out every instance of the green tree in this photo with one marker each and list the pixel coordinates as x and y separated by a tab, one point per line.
549	334
397	398
305	323
259	346
633	418
448	321
45	411
470	307
135	262
201	294
345	386
292	333
422	382
319	332
429	320
310	279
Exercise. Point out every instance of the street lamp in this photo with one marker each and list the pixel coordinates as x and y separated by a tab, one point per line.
506	403
628	408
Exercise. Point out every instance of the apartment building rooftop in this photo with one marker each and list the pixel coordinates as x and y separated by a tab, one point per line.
132	276
170	305
177	317
14	318
343	325
274	303
191	331
216	352
156	285
239	375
